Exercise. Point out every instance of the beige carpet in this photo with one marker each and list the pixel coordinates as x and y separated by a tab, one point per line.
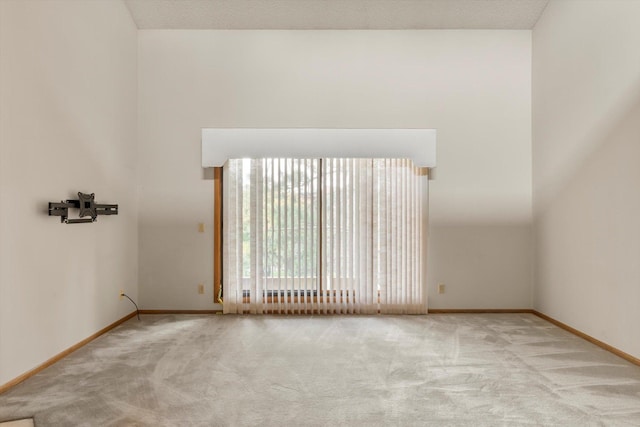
440	370
28	422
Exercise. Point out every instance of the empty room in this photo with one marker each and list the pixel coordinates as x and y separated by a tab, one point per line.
319	212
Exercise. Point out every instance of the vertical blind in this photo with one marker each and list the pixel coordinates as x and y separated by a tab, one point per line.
343	236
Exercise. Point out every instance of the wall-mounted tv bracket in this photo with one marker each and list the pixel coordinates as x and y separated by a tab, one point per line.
87	206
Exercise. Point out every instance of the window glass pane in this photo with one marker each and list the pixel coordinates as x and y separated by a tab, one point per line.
289	204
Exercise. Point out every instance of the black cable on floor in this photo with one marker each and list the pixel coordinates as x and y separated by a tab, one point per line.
137	309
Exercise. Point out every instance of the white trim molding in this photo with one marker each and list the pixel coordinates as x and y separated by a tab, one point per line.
221	144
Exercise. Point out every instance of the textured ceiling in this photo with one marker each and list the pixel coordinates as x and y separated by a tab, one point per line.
336	14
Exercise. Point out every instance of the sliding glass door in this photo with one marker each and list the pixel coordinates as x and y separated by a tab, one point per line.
322	236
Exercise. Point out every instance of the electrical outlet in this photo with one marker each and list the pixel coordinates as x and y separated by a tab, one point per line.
121	294
441	288
201	227
200	288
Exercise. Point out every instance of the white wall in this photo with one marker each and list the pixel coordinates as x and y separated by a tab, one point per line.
586	146
68	89
474	87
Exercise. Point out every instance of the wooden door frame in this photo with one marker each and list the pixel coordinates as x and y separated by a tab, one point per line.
217	235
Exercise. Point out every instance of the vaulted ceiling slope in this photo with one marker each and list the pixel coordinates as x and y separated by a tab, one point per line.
336	14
